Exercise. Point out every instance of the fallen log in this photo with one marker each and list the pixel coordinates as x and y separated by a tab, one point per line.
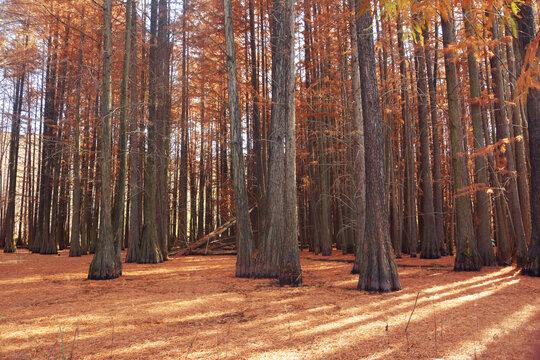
204	241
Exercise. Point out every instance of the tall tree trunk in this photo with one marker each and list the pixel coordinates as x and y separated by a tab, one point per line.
481	213
432	68
244	236
503	133
119	200
105	264
75	240
150	250
134	230
527	40
359	181
430	243
467	257
269	253
410	186
378	270
9	220
259	170
183	185
290	272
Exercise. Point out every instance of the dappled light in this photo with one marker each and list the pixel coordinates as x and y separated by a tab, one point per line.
197	312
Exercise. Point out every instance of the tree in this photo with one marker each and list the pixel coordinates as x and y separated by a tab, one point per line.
483	231
290	272
105	264
276	255
507	155
134	230
530	45
9	221
75	240
467	257
378	270
244	236
120	187
430	243
150	253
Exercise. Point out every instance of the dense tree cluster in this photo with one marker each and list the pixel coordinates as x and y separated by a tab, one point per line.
377	128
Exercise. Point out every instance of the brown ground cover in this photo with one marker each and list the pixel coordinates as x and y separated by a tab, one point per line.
194	308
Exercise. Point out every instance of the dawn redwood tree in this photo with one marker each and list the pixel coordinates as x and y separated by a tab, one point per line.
150	252
378	270
430	244
467	257
503	134
75	239
527	33
359	154
431	60
105	264
9	220
290	272
120	189
134	229
244	235
481	211
276	258
411	228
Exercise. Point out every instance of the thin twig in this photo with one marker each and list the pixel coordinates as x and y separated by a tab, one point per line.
408	322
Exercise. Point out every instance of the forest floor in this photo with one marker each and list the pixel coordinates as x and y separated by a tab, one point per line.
194	308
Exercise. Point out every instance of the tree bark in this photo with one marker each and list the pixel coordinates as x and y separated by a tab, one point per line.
503	133
430	243
105	264
244	236
467	257
526	37
150	253
481	213
378	270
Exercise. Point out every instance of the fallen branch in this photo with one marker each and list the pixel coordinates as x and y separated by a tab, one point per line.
206	239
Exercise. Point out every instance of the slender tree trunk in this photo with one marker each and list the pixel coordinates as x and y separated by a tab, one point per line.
244	236
9	219
134	230
432	68
430	244
183	185
75	247
410	186
467	257
290	272
105	264
503	133
150	252
119	200
481	213
359	181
